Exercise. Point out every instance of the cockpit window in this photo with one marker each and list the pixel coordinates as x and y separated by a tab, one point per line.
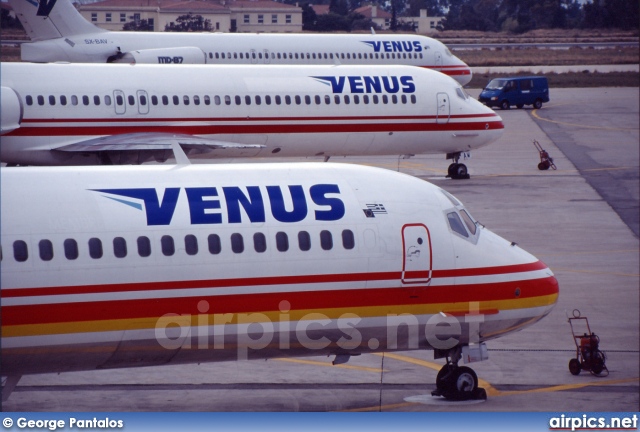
461	93
456	224
496	84
471	225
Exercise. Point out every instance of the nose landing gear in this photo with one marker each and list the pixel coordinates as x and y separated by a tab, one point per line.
457	383
457	170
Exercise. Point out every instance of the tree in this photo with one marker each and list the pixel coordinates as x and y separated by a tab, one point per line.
7	21
309	17
189	22
139	25
435	8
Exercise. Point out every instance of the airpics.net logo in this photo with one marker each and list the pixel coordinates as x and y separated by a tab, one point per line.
585	422
287	329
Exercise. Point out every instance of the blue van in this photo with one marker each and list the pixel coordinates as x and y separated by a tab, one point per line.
518	91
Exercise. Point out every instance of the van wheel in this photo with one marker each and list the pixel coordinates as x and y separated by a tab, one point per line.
537	104
505	105
519	106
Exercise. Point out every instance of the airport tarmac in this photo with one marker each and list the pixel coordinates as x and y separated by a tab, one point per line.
570	218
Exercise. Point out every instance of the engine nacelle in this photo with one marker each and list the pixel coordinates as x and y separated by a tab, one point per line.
11	110
179	55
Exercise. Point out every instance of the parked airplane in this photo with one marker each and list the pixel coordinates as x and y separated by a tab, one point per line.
60	33
112	267
61	114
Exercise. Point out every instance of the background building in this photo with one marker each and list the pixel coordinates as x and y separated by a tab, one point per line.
224	15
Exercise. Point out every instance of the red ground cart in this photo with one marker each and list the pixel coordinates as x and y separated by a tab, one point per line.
546	161
588	355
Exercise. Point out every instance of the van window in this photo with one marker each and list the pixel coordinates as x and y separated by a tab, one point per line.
526	85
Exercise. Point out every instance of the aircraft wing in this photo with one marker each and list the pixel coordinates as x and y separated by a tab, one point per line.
153	141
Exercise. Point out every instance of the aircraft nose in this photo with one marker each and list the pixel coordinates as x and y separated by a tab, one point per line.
462	71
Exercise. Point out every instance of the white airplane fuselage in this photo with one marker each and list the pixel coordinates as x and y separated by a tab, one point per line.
251	49
59	33
65	114
107	267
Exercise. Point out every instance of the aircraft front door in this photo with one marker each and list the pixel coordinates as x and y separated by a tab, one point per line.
416	260
438	58
254	56
442	114
267	59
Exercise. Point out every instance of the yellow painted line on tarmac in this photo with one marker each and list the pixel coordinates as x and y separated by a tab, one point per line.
564	387
318	363
491	391
611	169
535	114
435	366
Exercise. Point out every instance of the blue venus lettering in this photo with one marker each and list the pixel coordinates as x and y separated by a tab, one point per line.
286	204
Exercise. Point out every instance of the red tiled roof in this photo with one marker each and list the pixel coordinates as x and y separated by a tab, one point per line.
262	4
193	5
367	12
320	9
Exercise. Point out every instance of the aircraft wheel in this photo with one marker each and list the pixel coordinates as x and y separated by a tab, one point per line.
537	104
505	105
444	378
574	366
460	172
464	384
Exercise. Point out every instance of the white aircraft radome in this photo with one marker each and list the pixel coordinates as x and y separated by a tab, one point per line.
59	33
70	114
113	267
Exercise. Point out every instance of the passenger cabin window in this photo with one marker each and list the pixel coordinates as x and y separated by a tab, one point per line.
20	251
304	241
95	248
348	240
282	242
326	240
70	249
191	244
237	243
215	247
144	246
167	245
45	248
259	242
119	247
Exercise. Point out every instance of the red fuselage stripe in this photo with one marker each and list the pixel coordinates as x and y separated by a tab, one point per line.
263	281
260	302
258	129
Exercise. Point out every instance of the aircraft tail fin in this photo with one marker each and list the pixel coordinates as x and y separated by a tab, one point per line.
51	19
